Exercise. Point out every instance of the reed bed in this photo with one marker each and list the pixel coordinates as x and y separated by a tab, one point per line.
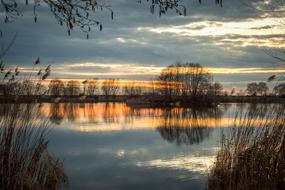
252	157
25	162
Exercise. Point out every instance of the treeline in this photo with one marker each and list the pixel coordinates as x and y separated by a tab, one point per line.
15	81
56	87
180	80
262	89
92	87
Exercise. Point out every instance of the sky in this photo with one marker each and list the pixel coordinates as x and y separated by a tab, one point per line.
232	41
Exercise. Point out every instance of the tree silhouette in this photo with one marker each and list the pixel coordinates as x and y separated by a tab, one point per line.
262	88
185	79
91	87
254	88
72	88
68	13
56	87
110	87
217	89
131	89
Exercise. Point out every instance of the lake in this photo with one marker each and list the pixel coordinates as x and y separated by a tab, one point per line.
113	146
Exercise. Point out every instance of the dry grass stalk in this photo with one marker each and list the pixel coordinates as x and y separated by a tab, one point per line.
24	159
252	157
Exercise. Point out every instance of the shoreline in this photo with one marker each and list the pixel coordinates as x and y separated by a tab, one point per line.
140	101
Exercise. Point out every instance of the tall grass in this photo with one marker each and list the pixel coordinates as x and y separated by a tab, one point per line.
252	154
25	162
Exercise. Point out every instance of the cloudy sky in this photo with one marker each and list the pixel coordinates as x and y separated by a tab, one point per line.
233	41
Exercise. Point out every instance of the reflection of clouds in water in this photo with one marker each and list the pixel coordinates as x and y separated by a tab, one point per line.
120	153
200	164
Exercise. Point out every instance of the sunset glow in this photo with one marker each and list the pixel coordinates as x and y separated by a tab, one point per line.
118	117
142	94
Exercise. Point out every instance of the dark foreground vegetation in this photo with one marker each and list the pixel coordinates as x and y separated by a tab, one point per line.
252	155
25	163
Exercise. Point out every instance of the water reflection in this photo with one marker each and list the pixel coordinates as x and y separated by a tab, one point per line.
56	114
189	126
92	113
176	125
200	164
113	142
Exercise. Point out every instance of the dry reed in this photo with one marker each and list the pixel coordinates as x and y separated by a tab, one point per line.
252	157
25	162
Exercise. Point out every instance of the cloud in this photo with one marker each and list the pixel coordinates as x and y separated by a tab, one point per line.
265	32
137	44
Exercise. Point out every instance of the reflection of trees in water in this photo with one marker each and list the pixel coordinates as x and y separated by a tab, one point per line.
56	114
188	135
133	114
72	111
180	125
188	126
90	112
109	113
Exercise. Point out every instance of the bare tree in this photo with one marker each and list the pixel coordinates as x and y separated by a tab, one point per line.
72	88
217	89
131	89
68	13
186	79
175	5
110	87
91	87
254	88
56	87
83	14
262	89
